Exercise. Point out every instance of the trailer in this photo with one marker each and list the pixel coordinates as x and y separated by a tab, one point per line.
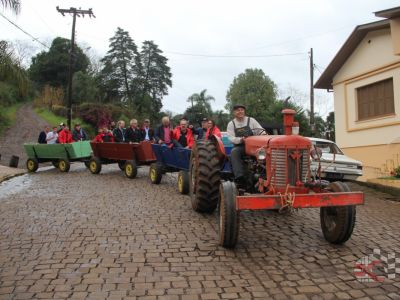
60	155
128	156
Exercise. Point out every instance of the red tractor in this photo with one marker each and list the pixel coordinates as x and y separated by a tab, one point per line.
278	178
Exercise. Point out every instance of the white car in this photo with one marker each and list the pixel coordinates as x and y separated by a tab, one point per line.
334	164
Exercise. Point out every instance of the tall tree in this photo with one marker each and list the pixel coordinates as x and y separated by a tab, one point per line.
255	90
121	66
155	77
13	5
200	106
51	67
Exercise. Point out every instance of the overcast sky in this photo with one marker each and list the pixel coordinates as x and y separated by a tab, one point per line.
185	28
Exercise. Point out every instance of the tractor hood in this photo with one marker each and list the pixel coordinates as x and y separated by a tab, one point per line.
254	143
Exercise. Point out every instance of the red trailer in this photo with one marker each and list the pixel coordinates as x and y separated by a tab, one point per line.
128	156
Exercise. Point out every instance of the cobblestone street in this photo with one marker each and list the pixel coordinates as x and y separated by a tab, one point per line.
77	235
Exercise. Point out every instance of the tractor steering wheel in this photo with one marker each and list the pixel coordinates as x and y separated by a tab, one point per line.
260	131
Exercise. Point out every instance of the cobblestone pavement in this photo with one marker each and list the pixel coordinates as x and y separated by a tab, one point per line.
78	235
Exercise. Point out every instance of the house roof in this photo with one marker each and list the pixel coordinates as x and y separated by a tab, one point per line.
325	81
389	13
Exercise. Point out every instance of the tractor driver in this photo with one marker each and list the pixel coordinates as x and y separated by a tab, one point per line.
239	128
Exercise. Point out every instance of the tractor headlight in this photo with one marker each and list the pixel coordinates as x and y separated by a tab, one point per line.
261	154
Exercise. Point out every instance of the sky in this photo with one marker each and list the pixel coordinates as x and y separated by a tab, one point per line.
209	42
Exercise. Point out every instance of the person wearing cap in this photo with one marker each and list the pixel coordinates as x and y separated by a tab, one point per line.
147	132
238	129
79	134
119	132
201	131
62	126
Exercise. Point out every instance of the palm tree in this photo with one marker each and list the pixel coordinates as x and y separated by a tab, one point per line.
201	99
14	5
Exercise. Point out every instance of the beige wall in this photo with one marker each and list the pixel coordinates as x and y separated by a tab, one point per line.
395	29
371	141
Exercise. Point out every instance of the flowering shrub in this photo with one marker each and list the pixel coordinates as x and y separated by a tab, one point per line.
397	172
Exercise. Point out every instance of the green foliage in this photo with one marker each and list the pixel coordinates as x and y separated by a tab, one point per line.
121	67
330	126
84	88
397	172
8	116
255	90
51	67
200	106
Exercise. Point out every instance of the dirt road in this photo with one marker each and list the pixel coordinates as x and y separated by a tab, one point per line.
26	129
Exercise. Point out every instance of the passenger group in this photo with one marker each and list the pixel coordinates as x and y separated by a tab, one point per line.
182	135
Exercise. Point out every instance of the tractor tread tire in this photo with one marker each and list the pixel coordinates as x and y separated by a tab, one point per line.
228	217
184	185
346	217
204	177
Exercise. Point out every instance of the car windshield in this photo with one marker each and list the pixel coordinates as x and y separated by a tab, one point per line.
328	147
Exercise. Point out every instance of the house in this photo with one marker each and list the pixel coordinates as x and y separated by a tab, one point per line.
365	79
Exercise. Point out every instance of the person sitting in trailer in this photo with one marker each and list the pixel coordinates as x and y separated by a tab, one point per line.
146	131
52	136
65	136
133	134
119	132
213	130
182	136
104	136
79	134
163	133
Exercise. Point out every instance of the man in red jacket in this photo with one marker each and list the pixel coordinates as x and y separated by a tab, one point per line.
182	135
65	136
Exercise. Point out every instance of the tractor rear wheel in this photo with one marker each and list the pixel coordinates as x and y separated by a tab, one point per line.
155	173
337	222
95	165
204	177
130	169
64	165
228	218
32	165
183	182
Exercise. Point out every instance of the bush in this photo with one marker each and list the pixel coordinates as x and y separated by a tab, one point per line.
95	115
397	172
59	110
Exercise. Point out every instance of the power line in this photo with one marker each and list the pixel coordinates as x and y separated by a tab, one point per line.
234	56
27	33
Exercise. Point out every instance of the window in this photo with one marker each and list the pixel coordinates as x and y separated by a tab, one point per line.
375	100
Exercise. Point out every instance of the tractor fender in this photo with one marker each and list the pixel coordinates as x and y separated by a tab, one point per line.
220	147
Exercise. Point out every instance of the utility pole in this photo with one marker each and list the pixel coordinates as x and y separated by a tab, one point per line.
75	12
312	120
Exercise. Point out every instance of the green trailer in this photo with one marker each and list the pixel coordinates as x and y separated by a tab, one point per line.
60	155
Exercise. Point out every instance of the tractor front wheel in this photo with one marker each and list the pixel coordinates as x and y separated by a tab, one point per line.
64	165
337	222
228	215
204	177
130	169
32	165
183	182
155	173
95	165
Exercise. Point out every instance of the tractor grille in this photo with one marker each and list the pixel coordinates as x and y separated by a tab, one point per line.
285	166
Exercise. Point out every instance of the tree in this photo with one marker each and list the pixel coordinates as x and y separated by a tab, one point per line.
200	106
330	126
52	67
13	5
121	66
155	78
84	88
253	89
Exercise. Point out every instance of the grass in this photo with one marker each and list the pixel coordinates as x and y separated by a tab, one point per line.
8	116
55	120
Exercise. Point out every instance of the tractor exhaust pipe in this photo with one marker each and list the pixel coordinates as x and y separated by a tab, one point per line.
288	120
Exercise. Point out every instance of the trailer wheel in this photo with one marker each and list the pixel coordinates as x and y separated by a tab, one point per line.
121	165
183	182
228	218
95	165
337	222
64	165
32	165
155	173
204	177
130	169
54	163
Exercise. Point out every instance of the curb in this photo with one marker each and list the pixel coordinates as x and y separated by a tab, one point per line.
8	177
382	188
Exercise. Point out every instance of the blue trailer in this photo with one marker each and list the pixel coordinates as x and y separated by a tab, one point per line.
178	160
